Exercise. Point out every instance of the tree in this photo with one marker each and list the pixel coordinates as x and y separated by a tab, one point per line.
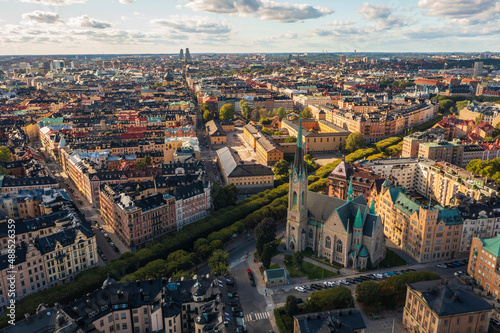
479	119
224	196
246	110
226	111
139	165
5	154
331	299
368	292
203	108
306	113
281	112
147	159
355	141
280	169
260	243
267	228
218	263
207	116
461	104
297	259
291	307
266	256
445	105
267	131
291	139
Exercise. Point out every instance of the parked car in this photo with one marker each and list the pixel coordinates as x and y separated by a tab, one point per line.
250	274
301	289
458	273
116	249
350	280
104	258
442	266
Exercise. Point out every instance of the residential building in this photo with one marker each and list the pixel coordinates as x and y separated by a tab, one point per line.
487	112
347	232
484	264
364	181
14	185
137	213
268	152
436	306
215	132
426	233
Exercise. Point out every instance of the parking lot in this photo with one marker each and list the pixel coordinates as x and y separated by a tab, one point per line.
242	151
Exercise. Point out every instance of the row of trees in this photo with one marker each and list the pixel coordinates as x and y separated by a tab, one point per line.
391	291
488	168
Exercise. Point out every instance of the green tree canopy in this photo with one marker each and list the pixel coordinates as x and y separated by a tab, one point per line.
291	307
267	131
281	112
139	165
368	292
280	169
226	111
203	108
291	139
218	263
267	228
207	116
306	113
355	141
224	196
266	256
331	299
246	109
5	154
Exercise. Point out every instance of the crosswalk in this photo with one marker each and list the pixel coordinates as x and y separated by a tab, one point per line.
256	316
238	261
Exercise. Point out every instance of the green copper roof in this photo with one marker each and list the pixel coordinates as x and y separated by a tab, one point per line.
364	252
350	192
492	245
299	133
372	207
358	222
386	183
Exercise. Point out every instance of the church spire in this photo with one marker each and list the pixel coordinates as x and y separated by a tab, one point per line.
350	192
372	207
299	151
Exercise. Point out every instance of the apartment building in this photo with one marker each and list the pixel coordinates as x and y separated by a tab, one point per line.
192	202
436	306
201	304
13	185
489	112
31	203
484	264
137	213
425	233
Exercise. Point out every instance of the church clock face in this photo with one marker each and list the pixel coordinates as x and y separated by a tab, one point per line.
295	180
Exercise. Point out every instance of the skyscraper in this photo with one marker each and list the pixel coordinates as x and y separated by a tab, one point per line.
181	54
188	55
478	68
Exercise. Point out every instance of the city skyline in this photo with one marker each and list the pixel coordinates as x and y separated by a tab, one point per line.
239	26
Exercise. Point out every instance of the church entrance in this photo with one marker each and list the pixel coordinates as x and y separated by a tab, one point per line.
292	246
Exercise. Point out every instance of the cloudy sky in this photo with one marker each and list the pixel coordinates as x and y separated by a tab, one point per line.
165	26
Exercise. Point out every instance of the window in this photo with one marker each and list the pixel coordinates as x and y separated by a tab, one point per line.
124	315
124	326
470	319
311	234
328	242
339	246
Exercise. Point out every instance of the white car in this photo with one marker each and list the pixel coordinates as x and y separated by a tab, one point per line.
458	273
379	276
301	289
442	266
345	282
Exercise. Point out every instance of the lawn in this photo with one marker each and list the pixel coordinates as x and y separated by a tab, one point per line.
312	271
392	259
309	253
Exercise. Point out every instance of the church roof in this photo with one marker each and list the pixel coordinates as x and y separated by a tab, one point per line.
370	224
358	222
321	206
364	252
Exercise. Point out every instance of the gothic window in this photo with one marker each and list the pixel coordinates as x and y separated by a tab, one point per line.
310	233
339	246
294	198
328	242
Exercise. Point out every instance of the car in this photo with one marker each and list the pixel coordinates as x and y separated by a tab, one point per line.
344	282
80	202
442	266
450	265
398	273
458	273
358	279
250	274
116	249
308	287
112	244
456	264
104	258
301	289
379	276
351	280
106	235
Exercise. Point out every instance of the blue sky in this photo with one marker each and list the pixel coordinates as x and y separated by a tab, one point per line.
165	26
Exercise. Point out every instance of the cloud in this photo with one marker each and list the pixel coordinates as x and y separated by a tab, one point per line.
55	2
85	21
266	10
382	17
337	23
475	9
126	2
374	12
194	24
39	16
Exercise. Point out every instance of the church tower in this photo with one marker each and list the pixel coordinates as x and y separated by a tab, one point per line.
296	226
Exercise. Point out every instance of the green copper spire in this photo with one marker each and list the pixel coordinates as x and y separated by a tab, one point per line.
299	133
358	222
372	207
350	192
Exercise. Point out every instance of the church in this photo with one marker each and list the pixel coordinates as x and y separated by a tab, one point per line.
347	232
